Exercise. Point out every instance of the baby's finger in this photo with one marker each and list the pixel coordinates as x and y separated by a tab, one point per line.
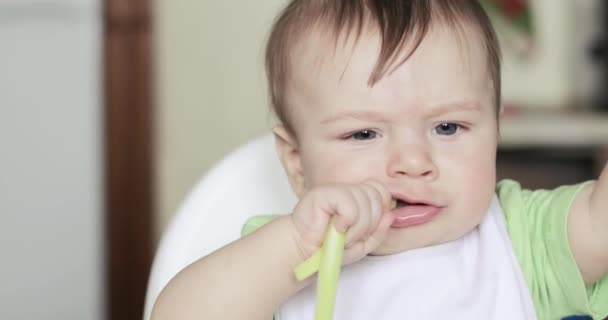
362	248
385	194
378	236
344	209
376	202
359	230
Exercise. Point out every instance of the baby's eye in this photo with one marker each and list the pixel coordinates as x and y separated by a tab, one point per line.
364	135
446	128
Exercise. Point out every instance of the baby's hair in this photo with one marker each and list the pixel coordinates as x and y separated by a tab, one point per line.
398	22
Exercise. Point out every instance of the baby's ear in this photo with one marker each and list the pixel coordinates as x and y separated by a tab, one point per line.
289	153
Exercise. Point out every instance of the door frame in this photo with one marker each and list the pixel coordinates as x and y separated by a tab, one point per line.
129	154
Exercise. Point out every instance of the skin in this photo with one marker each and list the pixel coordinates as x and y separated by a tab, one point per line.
426	131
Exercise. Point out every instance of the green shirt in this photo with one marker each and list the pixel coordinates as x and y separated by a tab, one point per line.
537	225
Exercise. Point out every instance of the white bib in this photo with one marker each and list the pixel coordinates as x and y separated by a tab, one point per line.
475	277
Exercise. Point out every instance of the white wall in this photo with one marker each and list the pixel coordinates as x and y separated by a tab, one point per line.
211	88
51	223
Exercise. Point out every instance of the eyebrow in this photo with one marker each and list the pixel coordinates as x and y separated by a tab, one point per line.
358	115
366	115
455	107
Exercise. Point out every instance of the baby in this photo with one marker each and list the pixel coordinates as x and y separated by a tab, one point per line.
398	101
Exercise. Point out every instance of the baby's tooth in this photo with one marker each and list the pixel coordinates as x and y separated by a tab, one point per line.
393	204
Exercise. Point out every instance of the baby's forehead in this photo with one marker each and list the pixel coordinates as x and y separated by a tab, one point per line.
322	55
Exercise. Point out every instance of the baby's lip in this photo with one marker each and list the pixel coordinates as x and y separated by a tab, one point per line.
410	200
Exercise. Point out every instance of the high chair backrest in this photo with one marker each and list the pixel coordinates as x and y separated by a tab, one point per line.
249	181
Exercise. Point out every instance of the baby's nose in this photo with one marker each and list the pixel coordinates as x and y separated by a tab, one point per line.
413	161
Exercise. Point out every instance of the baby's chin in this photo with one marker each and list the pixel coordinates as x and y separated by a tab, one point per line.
444	228
398	242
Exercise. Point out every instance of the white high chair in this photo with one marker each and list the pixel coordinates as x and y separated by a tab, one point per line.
249	181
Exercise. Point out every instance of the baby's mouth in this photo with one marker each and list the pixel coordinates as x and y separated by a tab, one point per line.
412	213
400	203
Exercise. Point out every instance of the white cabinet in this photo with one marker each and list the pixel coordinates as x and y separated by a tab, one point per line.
38	4
51	218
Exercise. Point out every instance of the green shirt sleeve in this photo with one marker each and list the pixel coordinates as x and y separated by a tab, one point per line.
255	223
537	224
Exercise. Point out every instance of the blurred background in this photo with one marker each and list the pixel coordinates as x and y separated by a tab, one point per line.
112	110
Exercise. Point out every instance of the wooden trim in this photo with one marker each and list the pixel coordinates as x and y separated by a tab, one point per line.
129	146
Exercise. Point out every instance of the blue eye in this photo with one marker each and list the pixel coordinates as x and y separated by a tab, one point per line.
364	135
446	129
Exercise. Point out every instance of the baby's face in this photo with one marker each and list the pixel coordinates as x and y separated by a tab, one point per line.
428	130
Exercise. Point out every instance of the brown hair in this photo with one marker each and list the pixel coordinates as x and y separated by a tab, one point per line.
397	21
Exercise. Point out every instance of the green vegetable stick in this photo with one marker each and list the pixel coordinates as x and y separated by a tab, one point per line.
329	273
327	261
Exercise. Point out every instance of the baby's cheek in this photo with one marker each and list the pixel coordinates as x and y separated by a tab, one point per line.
346	169
472	170
327	168
478	176
479	181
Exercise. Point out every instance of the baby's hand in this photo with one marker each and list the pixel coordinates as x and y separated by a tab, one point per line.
362	210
